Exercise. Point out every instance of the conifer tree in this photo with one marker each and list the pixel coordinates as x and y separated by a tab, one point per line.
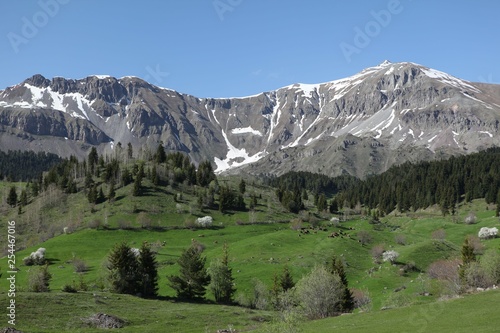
337	268
468	257
124	270
148	272
221	279
92	195
193	278
12	197
242	186
286	279
111	191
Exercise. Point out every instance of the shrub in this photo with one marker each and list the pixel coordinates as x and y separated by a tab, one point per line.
377	252
335	221
79	265
204	222
124	225
261	296
487	233
490	262
39	279
364	237
447	271
35	258
67	288
95	224
476	244
471	218
296	224
476	277
390	256
439	234
362	299
400	239
320	293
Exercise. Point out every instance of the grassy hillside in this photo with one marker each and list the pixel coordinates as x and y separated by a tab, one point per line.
260	244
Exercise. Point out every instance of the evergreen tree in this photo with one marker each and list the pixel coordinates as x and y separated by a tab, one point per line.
130	151
92	195
193	278
137	191
154	176
23	198
12	197
100	195
205	174
35	189
286	279
126	177
468	257
160	156
242	186
111	191
221	279
93	158
124	272
337	268
148	272
321	205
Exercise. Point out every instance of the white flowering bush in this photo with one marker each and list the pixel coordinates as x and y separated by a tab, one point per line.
486	233
390	256
35	258
205	221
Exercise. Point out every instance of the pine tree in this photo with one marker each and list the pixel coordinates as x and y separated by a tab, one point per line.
242	186
93	159
286	279
337	267
12	197
468	257
92	195
193	278
111	191
130	151
123	267
23	198
148	272
221	279
161	156
137	191
154	176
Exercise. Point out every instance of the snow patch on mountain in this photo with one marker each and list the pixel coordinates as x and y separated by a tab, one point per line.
235	157
246	130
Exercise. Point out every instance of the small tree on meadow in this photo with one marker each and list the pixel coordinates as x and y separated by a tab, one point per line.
286	280
347	302
221	279
12	197
468	257
320	293
39	279
148	272
123	270
193	279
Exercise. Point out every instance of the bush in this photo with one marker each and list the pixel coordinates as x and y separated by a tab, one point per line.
490	262
296	224
476	244
362	300
35	258
124	225
335	222
39	279
364	237
487	233
67	288
320	293
447	272
204	222
471	218
390	256
439	234
80	266
400	239
377	252
95	224
476	277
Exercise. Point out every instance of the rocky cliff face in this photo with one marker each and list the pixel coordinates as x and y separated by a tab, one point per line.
363	124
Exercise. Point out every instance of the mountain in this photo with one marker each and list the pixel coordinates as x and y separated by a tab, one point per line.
363	124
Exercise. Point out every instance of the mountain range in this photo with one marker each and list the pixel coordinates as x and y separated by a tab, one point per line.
360	125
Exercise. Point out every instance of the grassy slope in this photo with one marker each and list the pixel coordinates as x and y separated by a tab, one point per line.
256	251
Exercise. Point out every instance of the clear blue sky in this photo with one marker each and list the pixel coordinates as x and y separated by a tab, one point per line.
224	48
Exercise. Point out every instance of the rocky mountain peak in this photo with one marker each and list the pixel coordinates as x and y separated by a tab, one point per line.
383	112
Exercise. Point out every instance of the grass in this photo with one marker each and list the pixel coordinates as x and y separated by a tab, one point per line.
257	251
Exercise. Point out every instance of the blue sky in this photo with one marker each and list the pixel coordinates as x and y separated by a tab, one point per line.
224	48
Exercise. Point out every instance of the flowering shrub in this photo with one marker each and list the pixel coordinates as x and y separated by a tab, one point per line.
135	251
35	258
390	256
485	232
205	221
